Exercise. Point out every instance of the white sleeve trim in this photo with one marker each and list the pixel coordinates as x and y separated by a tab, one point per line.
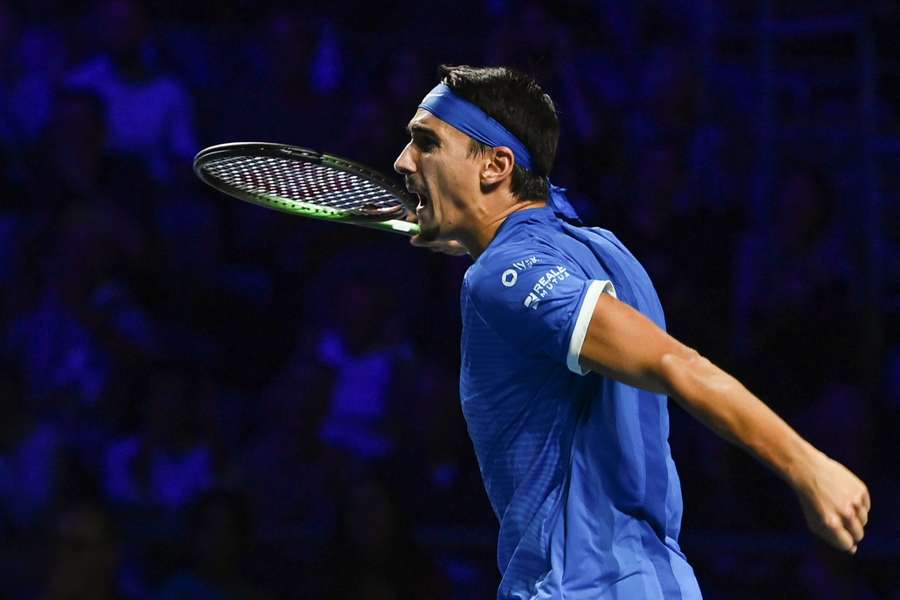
591	296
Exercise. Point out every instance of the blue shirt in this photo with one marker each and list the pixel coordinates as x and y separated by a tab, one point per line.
577	467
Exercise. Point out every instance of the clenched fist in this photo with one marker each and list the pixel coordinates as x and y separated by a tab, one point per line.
835	502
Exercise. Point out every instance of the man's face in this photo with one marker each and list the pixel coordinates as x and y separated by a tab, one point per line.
439	168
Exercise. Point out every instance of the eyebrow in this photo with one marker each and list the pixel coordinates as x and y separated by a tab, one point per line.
421	129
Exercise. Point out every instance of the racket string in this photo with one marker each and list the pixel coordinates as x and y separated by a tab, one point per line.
300	181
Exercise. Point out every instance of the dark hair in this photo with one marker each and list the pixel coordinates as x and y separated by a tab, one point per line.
518	103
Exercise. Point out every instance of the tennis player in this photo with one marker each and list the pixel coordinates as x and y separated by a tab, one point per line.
566	364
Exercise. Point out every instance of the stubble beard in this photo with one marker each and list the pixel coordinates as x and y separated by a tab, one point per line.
430	232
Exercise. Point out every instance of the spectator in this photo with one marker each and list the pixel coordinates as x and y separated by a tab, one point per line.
220	540
301	506
31	461
33	60
290	90
374	555
436	459
790	279
85	321
150	113
367	351
172	460
106	262
9	129
88	553
79	168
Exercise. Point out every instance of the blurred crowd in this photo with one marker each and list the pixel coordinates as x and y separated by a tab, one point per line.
203	399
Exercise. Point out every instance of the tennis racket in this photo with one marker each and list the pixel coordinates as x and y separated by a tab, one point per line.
306	183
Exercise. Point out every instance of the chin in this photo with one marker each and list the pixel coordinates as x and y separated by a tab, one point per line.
429	229
430	233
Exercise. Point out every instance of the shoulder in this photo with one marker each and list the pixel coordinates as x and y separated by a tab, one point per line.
519	274
505	265
530	295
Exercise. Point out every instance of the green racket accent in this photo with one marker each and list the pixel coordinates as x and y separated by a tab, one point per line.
305	183
325	213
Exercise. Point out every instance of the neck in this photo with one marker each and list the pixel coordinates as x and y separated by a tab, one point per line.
479	237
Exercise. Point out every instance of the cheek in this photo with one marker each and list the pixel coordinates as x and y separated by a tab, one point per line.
435	175
453	185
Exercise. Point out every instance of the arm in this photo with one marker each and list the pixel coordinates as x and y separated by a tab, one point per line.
834	501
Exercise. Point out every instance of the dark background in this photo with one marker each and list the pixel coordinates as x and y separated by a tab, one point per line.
204	399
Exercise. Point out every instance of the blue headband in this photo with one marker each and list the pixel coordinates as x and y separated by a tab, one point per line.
477	124
471	120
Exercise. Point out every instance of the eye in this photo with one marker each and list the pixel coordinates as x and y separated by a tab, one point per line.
425	143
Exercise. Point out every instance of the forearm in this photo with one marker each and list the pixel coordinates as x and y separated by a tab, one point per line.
723	404
662	364
835	502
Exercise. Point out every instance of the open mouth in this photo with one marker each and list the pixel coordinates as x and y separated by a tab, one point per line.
420	195
423	200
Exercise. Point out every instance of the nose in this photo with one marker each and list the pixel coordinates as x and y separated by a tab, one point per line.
404	164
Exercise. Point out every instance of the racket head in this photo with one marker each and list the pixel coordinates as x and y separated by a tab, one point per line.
306	183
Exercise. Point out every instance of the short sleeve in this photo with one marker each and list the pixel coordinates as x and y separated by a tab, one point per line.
539	303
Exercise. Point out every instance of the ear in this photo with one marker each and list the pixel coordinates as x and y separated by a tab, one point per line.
498	165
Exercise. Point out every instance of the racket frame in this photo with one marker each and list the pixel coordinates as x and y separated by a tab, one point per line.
308	209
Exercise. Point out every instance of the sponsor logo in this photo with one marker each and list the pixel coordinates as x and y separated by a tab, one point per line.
545	284
509	278
526	263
